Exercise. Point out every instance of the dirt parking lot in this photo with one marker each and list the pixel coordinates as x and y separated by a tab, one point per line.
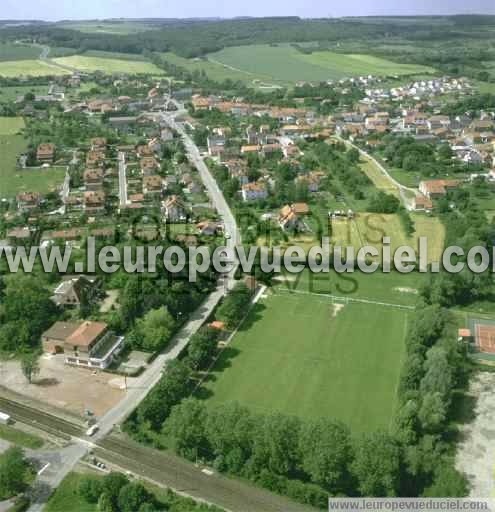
66	387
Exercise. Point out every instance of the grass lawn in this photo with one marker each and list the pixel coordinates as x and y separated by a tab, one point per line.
370	228
300	355
13	181
66	497
286	64
29	68
109	65
20	438
11	125
380	181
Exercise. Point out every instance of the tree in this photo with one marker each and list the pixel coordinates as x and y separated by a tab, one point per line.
30	366
325	448
14	336
185	426
433	412
14	470
112	484
438	374
234	305
447	482
105	504
376	465
132	496
154	330
90	489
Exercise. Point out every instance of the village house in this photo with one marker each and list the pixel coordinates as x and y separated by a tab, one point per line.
422	204
253	191
149	165
124	124
87	344
434	189
93	178
74	291
174	210
19	235
216	145
45	153
94	202
28	201
152	186
98	144
288	219
208	228
95	159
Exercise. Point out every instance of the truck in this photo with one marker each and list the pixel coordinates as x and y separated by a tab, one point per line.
4	418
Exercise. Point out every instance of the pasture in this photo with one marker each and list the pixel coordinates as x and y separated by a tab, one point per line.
29	68
305	356
109	65
286	64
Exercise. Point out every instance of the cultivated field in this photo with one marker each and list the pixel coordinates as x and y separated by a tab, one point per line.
109	65
304	355
29	68
106	27
285	64
370	228
8	94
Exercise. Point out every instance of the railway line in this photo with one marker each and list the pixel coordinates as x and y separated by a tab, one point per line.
44	421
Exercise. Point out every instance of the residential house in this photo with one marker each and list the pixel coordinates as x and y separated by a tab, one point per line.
87	344
98	144
216	145
174	210
152	186
149	165
94	202
93	178
254	191
28	201
45	153
422	204
74	291
95	159
288	219
19	235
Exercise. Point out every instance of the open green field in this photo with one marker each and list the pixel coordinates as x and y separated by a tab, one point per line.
305	356
285	64
109	65
370	228
66	497
11	125
29	68
12	52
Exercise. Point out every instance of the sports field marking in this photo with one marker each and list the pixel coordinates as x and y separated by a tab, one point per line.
345	300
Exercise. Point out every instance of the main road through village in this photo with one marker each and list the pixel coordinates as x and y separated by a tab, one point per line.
161	467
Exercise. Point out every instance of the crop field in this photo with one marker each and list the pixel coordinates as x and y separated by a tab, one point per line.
370	228
12	52
106	27
29	68
11	125
285	64
109	65
215	71
306	356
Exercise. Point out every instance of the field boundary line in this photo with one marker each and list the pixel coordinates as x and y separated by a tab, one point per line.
345	300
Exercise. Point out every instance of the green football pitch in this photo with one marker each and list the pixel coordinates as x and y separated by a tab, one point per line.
305	356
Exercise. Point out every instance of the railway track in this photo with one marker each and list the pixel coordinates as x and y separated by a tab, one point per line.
47	422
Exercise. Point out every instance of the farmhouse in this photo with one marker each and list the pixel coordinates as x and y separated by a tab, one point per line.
422	204
433	189
45	153
87	344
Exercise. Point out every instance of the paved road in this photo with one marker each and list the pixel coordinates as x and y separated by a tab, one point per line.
141	386
122	179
